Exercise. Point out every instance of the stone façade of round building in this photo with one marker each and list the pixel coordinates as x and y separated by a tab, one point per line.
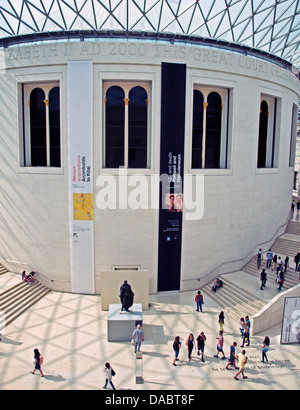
174	158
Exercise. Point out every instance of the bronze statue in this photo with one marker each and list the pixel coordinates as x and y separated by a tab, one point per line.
126	296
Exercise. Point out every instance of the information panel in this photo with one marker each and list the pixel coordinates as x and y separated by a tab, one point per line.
171	174
80	111
290	332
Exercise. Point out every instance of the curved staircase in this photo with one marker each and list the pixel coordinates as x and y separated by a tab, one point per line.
239	301
2	269
19	298
234	299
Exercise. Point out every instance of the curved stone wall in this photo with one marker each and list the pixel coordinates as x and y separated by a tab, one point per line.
230	210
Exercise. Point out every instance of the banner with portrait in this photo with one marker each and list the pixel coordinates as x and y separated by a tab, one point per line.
171	175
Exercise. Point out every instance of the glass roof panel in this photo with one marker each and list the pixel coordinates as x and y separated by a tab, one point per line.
270	25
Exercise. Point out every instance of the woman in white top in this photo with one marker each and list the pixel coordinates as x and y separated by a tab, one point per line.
108	375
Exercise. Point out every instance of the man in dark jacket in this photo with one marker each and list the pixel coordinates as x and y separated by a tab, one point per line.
263	278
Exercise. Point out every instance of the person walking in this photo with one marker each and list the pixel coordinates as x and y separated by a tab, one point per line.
246	336
38	361
280	279
265	348
274	262
259	257
199	301
190	343
176	348
109	373
201	339
293	204
220	345
269	259
138	338
242	326
279	265
263	278
286	263
232	356
242	358
221	321
297	260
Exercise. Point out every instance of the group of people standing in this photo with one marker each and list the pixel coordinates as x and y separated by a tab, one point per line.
199	344
275	263
191	343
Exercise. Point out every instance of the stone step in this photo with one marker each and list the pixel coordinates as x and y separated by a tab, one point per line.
3	270
291	277
286	247
221	301
238	301
234	299
293	228
17	299
13	315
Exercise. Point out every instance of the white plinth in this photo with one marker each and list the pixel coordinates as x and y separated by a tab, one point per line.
120	325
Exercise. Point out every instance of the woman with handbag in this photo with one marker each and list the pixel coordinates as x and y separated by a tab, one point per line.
37	361
109	373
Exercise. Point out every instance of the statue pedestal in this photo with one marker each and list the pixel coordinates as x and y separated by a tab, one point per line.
120	325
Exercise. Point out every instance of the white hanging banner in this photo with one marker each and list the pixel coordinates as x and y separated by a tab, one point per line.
80	126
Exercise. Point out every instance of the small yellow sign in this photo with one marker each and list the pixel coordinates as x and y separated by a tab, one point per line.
83	207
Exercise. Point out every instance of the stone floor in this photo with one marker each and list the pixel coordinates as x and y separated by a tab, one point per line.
70	331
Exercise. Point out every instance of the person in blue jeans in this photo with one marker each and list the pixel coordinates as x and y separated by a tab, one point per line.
259	258
138	338
108	375
269	258
232	357
199	301
176	348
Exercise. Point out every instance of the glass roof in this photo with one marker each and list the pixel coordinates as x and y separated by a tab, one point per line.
269	25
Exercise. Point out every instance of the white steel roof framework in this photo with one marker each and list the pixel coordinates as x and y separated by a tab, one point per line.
272	26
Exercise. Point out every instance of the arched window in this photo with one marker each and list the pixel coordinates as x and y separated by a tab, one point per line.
38	128
213	131
197	129
54	127
114	127
126	126
268	134
138	128
210	128
41	125
262	135
293	139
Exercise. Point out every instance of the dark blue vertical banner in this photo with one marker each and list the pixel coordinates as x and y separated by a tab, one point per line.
173	93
